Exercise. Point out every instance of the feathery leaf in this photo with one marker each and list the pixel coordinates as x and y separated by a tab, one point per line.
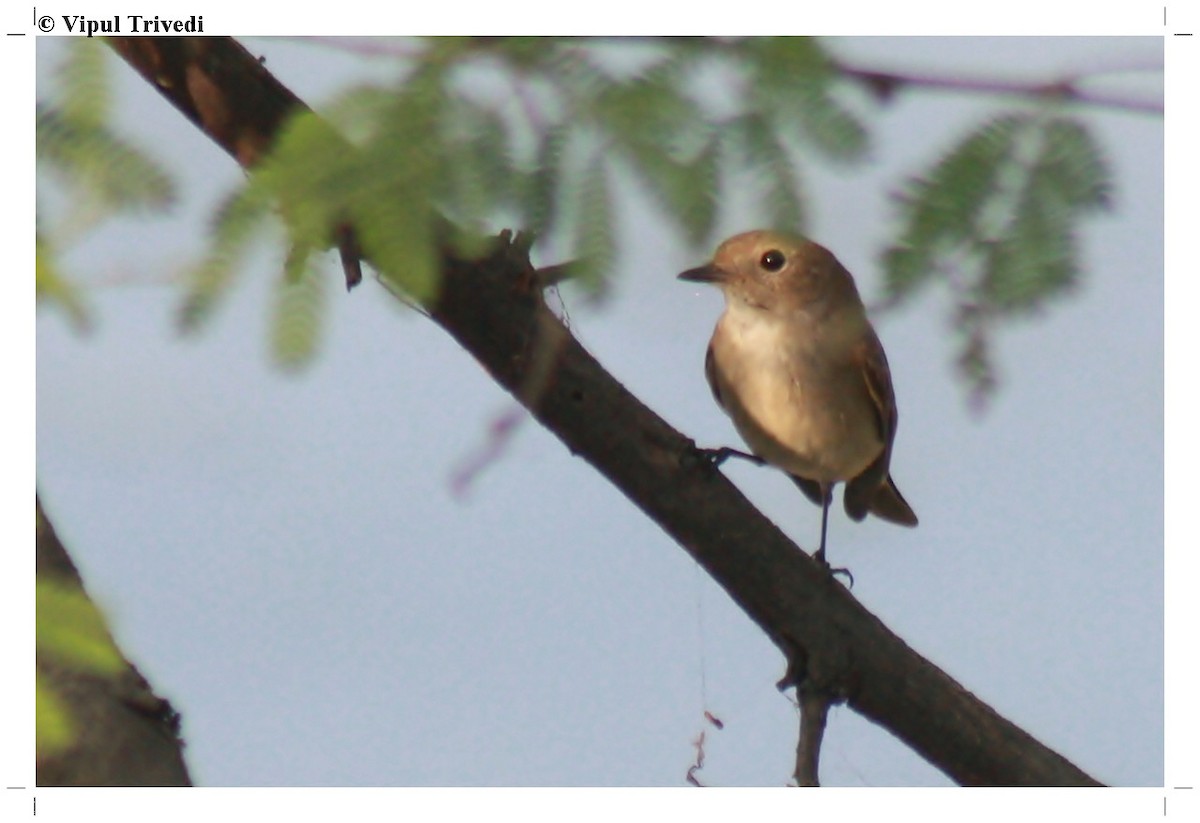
594	234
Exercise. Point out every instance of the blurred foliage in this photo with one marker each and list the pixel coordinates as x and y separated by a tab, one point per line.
996	220
102	175
72	632
532	133
299	306
54	288
536	134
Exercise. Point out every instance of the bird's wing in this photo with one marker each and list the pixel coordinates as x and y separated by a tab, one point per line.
861	490
710	374
878	378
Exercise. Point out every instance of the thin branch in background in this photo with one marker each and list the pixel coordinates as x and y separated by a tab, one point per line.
400	47
500	434
549	276
1067	88
549	341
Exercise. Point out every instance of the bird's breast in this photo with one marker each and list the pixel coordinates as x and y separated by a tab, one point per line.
796	397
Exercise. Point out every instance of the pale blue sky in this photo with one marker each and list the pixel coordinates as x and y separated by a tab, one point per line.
285	560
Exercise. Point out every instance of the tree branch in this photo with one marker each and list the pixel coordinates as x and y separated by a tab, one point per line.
123	734
493	307
884	85
232	98
814	709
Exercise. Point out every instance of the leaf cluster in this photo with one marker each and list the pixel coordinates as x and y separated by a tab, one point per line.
72	632
540	134
485	133
103	174
996	218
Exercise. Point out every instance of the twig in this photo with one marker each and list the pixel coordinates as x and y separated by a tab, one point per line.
367	46
814	708
698	763
499	434
884	85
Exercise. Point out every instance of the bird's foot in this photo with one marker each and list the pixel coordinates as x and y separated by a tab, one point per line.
834	571
719	456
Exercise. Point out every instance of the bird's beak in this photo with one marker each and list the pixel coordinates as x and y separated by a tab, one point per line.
708	273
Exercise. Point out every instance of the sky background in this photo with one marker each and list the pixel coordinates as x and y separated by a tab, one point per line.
286	561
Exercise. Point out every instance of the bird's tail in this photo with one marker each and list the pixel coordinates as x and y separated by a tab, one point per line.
889	504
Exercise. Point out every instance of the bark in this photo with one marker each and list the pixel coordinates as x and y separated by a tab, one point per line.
493	307
124	734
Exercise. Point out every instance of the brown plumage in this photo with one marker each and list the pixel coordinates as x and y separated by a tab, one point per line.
797	366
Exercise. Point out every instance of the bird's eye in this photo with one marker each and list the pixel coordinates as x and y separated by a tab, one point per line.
772	260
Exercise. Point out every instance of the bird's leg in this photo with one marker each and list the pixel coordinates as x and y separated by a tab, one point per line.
826	499
719	456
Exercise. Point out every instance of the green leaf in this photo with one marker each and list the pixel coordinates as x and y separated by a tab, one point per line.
687	191
100	166
649	110
695	193
906	268
594	234
1001	212
238	221
71	628
942	211
306	174
829	127
527	53
662	133
1071	169
299	311
54	729
1033	260
540	197
778	64
479	177
974	361
1064	177
398	238
760	151
358	112
55	289
84	84
792	80
395	186
580	82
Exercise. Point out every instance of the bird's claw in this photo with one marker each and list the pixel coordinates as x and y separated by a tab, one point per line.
718	456
832	570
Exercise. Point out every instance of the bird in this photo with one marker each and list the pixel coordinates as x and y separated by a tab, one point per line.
800	371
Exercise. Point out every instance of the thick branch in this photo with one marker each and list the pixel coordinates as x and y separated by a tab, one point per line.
494	308
122	734
232	98
841	648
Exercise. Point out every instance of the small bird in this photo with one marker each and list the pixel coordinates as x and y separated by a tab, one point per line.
797	366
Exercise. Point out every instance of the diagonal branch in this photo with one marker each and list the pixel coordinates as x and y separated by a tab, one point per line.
493	307
232	98
121	732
